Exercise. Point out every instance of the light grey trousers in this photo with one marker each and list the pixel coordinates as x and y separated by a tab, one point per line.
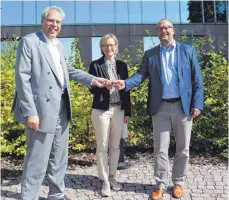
108	127
171	118
46	154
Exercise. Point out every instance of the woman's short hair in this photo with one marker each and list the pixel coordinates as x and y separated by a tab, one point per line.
47	10
105	38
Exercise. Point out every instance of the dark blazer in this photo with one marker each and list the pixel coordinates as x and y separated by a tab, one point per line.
101	99
189	73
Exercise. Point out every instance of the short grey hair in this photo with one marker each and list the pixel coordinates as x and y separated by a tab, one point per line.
165	20
47	10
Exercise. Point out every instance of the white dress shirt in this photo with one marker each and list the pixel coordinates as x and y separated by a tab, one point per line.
52	44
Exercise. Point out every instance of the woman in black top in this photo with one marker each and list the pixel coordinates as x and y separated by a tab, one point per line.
110	109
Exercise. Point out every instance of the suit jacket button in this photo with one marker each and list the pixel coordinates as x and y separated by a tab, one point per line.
47	100
48	73
50	87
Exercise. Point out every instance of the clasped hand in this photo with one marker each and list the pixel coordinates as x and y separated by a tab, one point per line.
117	84
102	82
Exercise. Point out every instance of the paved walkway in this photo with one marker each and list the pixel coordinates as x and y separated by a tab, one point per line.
204	182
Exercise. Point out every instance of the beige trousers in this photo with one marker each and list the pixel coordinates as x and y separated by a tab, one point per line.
108	127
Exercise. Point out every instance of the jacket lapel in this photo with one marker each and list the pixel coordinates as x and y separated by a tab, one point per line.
178	59
47	54
104	69
158	56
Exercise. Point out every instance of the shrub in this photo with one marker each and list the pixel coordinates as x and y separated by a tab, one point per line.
209	132
12	133
81	131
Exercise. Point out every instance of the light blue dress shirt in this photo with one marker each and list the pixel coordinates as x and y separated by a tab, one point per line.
169	72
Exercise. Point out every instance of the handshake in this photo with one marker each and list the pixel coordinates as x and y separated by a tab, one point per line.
102	82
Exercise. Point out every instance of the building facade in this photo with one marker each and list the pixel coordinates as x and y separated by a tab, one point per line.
130	21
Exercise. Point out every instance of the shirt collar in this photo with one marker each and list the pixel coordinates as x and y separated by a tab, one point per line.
52	42
109	62
171	47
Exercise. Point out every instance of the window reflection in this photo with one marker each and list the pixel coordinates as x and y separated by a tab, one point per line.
121	12
150	42
134	12
82	12
102	12
11	12
41	5
221	9
173	11
96	52
191	11
209	11
117	11
152	11
68	7
29	14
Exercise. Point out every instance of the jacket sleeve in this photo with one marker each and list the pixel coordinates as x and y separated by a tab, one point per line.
94	72
139	76
198	84
80	76
23	79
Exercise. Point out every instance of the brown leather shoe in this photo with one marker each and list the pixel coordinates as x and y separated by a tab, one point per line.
158	193
178	191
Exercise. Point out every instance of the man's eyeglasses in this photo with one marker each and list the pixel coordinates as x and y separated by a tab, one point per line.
109	45
165	28
53	21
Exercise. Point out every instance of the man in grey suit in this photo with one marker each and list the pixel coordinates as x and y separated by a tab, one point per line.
175	97
42	103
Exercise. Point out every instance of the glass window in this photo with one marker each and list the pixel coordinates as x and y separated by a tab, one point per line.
173	11
82	12
150	42
29	14
102	12
191	11
67	42
134	12
96	52
152	11
68	7
121	12
41	5
11	12
209	12
221	8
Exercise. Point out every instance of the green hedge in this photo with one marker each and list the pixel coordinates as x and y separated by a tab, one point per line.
209	132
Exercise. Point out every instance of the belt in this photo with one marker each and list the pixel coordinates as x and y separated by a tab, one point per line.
171	100
115	104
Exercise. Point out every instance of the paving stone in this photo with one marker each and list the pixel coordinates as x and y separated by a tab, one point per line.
203	182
